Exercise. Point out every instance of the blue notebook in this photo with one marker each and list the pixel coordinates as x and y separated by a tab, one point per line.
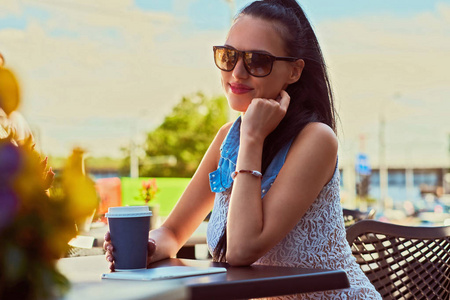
163	273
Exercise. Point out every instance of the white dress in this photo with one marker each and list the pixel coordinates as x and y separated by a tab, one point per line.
317	241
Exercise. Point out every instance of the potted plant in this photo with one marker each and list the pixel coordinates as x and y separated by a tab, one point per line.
36	223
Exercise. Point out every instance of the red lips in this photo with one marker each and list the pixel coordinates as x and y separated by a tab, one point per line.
238	88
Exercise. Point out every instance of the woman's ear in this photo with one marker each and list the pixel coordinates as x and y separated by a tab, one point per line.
296	71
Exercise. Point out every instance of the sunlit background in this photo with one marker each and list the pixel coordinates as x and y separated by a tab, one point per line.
100	74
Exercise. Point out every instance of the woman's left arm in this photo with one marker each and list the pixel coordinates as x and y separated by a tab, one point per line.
254	225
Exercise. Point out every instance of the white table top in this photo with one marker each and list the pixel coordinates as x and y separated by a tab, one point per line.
87	285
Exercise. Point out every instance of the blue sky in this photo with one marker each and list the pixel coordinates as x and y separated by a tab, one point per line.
97	73
212	12
322	8
208	14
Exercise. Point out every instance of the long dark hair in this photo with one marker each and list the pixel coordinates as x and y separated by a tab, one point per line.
311	96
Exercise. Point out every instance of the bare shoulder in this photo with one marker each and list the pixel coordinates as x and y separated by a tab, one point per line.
212	155
218	140
226	127
315	148
318	138
223	131
320	131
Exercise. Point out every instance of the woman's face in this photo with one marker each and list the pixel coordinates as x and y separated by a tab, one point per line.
255	34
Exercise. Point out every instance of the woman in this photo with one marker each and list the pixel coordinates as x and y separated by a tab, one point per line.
271	177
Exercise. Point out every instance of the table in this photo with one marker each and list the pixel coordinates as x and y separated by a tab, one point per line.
236	283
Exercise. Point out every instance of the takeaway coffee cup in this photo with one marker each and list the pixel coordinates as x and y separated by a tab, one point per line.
129	226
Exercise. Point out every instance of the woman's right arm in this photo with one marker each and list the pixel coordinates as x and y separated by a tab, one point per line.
191	209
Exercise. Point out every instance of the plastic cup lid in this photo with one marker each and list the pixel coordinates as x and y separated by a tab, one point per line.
128	212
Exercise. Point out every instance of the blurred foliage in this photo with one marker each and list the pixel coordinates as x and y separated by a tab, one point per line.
184	137
93	165
36	224
37	216
102	163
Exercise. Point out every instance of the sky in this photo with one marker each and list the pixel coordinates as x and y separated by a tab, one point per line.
100	74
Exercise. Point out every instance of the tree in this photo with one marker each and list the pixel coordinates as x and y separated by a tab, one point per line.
185	135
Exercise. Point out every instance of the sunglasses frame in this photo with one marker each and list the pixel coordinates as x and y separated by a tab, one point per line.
243	53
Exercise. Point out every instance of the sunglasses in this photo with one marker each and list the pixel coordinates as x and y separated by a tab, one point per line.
258	64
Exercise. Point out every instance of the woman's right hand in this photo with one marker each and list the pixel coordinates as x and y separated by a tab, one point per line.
264	115
108	246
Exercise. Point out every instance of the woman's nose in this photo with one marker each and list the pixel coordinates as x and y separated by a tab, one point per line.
239	71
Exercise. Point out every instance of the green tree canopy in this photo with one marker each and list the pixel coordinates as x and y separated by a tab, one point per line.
185	134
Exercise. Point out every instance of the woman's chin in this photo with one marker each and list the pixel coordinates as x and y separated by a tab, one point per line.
238	103
239	107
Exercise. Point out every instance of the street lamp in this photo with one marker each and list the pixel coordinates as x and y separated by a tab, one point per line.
134	146
383	168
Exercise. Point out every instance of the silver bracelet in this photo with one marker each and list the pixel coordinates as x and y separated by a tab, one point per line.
252	172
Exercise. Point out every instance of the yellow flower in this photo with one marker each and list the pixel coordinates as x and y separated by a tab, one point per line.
9	91
80	190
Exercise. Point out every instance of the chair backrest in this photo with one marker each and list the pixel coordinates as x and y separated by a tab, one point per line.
403	262
351	216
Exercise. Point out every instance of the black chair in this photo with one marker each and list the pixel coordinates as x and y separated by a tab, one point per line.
351	216
403	262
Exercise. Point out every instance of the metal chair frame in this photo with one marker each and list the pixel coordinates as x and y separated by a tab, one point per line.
351	216
403	262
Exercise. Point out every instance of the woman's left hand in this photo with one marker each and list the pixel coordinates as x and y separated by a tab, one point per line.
264	115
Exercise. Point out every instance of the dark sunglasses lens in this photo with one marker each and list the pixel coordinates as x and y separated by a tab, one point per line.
258	64
225	58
